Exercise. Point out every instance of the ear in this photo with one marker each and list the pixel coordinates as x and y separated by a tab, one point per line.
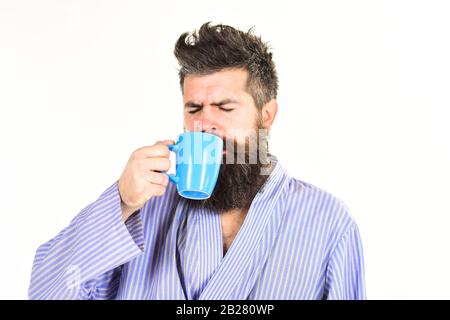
268	113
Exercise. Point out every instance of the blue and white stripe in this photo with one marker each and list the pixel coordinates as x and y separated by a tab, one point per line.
297	242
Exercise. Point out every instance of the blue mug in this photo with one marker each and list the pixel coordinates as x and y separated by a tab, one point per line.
198	160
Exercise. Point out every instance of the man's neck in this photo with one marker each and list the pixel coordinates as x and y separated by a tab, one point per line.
231	222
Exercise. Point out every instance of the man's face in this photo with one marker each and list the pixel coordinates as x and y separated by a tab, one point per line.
219	103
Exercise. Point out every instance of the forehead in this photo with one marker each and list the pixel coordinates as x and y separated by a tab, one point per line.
229	83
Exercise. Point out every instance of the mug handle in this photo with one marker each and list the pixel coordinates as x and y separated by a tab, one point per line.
173	177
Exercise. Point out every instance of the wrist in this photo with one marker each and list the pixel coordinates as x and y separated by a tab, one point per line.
126	211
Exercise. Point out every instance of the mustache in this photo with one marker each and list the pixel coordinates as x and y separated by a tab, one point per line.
252	151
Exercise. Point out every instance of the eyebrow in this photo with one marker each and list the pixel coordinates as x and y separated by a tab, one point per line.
191	104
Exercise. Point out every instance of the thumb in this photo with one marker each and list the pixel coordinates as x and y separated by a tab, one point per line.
166	142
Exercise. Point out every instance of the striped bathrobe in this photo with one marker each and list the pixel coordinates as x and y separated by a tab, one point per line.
297	242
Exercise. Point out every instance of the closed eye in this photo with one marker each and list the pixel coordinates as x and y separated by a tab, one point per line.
194	110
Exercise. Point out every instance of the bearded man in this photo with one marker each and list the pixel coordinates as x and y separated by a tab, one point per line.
261	235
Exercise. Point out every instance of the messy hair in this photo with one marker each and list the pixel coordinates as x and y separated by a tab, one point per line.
217	47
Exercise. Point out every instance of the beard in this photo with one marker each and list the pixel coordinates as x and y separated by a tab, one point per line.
241	179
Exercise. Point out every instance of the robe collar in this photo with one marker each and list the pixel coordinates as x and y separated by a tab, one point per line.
236	274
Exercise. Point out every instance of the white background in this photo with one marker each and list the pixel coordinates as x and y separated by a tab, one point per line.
363	113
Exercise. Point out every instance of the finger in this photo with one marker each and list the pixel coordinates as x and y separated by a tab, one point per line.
156	164
156	150
158	190
157	178
166	142
153	188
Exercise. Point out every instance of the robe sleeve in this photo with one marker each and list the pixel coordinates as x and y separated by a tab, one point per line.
345	272
84	260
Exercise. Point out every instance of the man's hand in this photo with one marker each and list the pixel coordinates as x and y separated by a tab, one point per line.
141	179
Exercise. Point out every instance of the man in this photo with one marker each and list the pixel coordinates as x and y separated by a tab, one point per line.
261	235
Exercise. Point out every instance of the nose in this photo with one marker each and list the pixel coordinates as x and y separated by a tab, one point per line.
205	125
207	120
209	128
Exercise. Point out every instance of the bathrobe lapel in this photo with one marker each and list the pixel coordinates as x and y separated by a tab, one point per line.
239	270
